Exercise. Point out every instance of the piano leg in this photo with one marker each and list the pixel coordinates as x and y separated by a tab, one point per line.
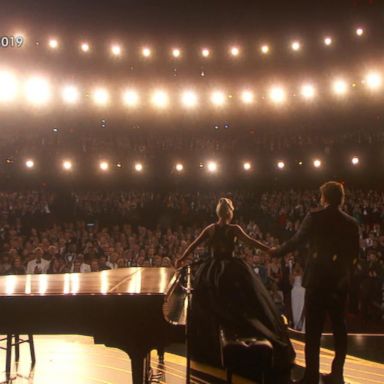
138	363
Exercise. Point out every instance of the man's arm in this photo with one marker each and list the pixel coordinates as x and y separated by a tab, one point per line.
300	237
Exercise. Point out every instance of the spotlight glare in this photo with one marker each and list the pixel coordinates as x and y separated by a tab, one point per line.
130	98
85	47
340	87
296	46
205	52
38	90
53	43
359	31
355	160
235	51
189	99
277	95
29	164
247	97
146	52
70	94
212	166
116	50
8	86
176	53
67	165
104	165
179	167
280	164
264	49
100	96
328	41
218	98
247	166
308	91
160	99
138	167
373	80
317	163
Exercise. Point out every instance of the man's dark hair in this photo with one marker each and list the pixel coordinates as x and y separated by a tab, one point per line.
333	193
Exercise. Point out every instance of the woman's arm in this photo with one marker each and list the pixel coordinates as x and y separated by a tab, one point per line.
202	237
242	236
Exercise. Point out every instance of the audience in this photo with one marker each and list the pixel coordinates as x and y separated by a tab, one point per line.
127	229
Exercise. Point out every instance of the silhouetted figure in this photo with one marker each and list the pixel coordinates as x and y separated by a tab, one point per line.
334	247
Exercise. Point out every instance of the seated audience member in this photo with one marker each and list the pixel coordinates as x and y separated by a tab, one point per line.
17	267
38	264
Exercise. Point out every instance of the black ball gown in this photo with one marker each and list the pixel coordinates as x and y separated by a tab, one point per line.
228	293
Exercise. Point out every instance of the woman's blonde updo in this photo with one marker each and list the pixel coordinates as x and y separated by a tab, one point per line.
224	209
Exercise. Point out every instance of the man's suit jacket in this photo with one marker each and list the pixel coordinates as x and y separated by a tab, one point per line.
334	248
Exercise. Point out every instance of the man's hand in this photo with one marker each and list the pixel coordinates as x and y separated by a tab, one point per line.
272	251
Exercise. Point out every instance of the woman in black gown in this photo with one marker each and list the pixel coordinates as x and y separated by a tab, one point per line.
227	292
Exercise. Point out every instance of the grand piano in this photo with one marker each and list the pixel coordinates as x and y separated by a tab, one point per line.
120	308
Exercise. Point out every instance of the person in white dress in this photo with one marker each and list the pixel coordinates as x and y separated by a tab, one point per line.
297	298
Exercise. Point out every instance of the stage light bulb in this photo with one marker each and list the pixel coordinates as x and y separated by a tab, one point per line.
280	164
205	52
340	87
218	98
176	53
70	94
53	43
308	91
116	50
8	86
38	90
317	163
29	164
131	98
179	167
85	47
146	52
67	165
355	160
235	51
277	95
189	99
296	46
247	166
264	49
138	167
247	97
328	41
104	165
212	166
160	99
359	31
373	80
100	96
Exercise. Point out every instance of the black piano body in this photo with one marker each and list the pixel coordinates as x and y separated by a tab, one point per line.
120	308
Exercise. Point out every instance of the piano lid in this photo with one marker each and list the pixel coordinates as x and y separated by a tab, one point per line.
124	281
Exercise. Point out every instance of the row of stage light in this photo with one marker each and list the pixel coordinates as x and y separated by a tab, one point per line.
118	50
38	91
210	166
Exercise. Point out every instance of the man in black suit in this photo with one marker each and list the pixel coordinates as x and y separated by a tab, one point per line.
334	248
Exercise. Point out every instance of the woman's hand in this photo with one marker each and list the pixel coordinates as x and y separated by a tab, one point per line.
178	263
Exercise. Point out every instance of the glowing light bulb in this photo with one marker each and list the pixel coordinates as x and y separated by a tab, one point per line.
247	97
205	52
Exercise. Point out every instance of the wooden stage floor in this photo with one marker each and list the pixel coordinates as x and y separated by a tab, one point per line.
73	359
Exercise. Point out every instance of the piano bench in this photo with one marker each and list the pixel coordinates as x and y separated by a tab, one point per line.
244	353
16	344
